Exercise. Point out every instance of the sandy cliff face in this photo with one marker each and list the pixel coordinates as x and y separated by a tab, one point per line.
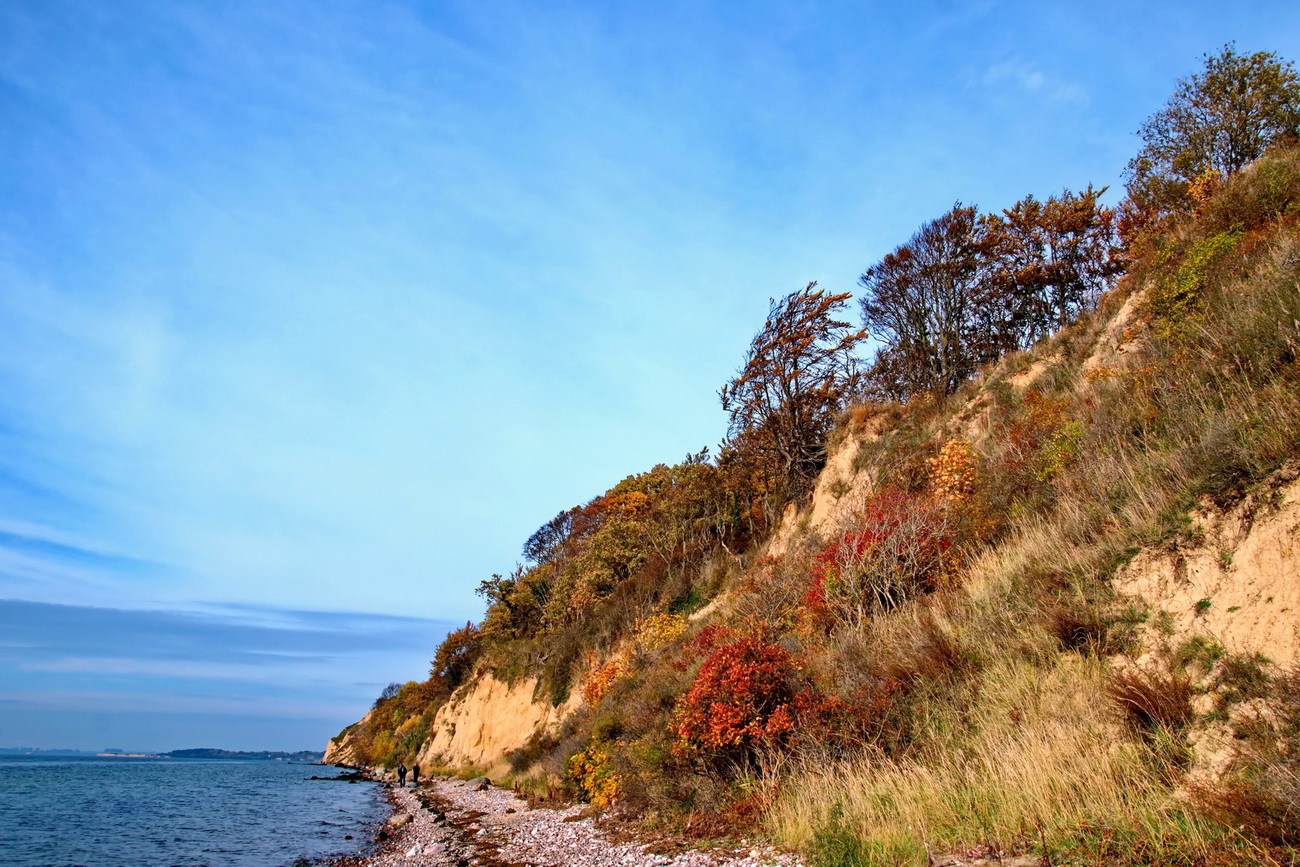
1237	580
342	749
840	491
479	726
487	719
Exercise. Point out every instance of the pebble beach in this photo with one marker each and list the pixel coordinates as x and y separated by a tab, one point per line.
460	823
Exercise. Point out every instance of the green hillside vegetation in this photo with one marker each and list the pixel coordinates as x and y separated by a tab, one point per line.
942	672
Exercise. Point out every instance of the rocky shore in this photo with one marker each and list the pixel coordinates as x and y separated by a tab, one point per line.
457	823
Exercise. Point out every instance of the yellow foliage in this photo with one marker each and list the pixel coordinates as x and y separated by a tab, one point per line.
592	771
657	630
1203	187
952	472
599	681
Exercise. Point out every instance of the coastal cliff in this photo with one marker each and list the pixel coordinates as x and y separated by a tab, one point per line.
1064	591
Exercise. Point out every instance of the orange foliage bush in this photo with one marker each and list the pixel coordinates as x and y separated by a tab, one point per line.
703	643
600	681
903	545
752	697
952	472
744	697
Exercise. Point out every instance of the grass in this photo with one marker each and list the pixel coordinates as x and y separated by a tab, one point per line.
1037	761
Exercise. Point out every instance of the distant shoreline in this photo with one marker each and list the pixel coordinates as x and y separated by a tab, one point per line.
301	756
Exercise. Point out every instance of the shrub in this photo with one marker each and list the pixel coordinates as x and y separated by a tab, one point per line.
601	680
745	697
902	546
455	657
1033	443
594	776
657	630
952	472
1177	298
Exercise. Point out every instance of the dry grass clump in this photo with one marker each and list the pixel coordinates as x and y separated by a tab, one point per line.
1036	759
1153	701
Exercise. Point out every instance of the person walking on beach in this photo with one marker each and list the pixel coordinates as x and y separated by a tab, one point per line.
401	776
415	776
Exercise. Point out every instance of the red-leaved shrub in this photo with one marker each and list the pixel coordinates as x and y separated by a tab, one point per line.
745	697
901	546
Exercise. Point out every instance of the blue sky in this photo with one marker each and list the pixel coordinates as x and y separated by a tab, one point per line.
310	312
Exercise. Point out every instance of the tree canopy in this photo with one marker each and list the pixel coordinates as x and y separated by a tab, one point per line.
795	379
918	303
1216	122
965	288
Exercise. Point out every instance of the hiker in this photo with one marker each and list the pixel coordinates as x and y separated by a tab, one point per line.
401	776
415	776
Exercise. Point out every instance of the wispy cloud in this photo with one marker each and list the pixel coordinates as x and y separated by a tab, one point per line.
322	668
1028	80
33	631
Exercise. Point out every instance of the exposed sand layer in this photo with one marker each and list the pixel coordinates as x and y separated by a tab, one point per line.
486	719
1235	580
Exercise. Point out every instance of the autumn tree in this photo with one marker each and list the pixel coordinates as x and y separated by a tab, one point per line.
549	540
919	305
1216	122
455	658
1046	263
796	377
388	693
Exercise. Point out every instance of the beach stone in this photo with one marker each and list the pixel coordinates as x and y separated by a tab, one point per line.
487	825
400	819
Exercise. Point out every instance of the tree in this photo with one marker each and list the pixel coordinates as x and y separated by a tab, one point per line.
1217	121
796	377
1047	262
966	289
918	303
549	540
388	694
454	660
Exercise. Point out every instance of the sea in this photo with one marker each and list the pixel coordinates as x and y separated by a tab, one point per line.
154	812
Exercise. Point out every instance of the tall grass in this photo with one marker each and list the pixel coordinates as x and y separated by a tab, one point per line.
1039	758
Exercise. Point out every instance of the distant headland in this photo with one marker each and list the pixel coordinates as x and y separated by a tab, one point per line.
260	755
198	753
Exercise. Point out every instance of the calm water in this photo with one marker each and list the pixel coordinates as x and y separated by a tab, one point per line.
164	812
